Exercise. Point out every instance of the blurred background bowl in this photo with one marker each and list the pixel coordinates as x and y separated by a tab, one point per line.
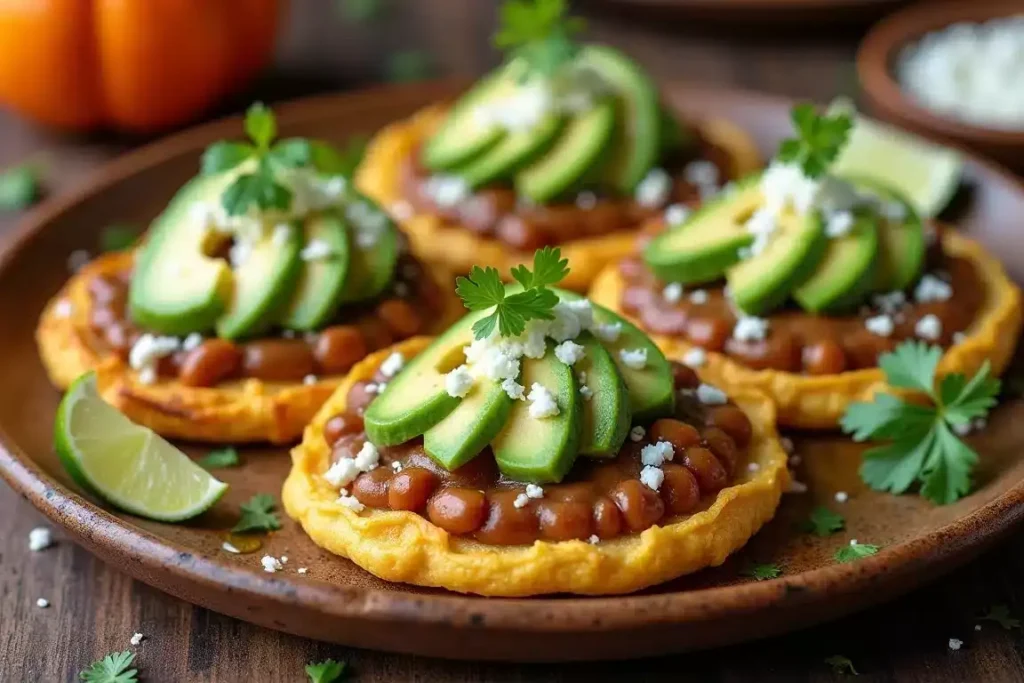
886	98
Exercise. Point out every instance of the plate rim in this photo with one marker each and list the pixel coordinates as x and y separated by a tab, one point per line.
111	537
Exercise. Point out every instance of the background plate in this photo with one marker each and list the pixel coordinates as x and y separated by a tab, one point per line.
339	602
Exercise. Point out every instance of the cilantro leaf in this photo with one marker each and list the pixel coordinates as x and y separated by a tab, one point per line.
258	515
823	522
225	155
19	188
111	669
539	33
762	572
923	449
841	665
819	139
118	237
260	125
1001	615
219	457
857	551
326	671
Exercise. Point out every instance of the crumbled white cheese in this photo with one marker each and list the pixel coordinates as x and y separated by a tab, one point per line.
881	325
542	402
635	359
309	380
136	638
40	538
77	260
521	501
228	547
929	327
931	288
654	189
698	296
655	454
271	564
839	224
608	332
63	309
842	496
637	433
342	473
750	328
514	389
955	644
652	477
392	364
42	602
569	352
586	200
586	392
316	250
676	214
458	382
701	173
368	457
446	191
672	293
350	502
695	357
711	395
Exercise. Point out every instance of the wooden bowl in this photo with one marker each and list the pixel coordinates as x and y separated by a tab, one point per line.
877	57
337	601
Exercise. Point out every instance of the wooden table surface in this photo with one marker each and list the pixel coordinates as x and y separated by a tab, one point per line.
95	609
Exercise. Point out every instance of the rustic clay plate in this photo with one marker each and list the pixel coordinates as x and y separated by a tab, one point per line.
337	601
749	12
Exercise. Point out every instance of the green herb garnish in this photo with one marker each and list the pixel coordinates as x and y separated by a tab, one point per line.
258	515
112	669
857	551
118	237
819	139
19	188
823	522
539	33
326	671
924	446
218	458
1001	615
484	289
762	572
841	665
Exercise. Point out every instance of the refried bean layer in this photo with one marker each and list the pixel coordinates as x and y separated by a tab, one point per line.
495	212
404	311
798	341
601	498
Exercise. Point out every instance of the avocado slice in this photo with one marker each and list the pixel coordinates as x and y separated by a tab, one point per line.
177	288
578	148
635	145
763	282
374	249
606	415
317	294
513	151
466	431
901	243
463	135
541	450
263	284
416	399
845	272
708	242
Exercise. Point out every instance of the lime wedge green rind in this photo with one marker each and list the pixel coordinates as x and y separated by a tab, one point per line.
127	465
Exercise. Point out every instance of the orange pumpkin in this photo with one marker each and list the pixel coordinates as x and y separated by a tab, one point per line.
132	64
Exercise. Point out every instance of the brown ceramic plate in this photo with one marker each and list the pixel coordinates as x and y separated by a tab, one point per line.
880	49
749	12
337	601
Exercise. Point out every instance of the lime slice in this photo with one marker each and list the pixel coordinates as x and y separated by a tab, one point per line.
129	466
925	173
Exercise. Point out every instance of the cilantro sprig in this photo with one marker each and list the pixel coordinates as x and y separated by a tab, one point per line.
327	671
924	447
484	289
111	669
539	33
261	188
819	139
258	515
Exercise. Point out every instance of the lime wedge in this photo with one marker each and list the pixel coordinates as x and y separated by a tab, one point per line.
925	173
129	466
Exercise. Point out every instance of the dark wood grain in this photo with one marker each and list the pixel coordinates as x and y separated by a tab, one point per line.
95	609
